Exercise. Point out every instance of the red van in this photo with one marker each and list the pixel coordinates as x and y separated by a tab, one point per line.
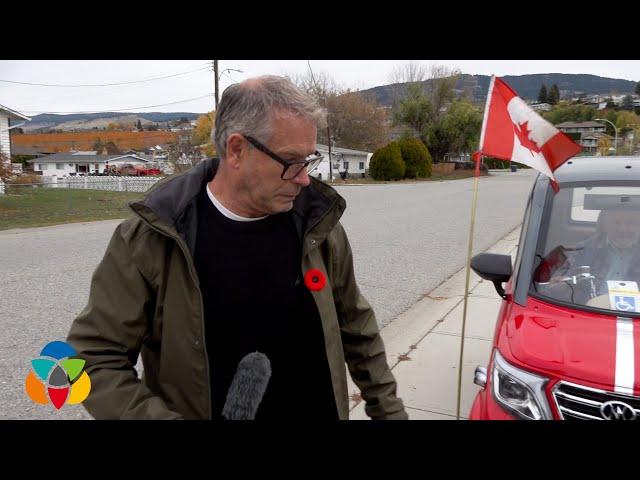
566	343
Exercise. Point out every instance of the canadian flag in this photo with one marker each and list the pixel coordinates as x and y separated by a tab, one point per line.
511	130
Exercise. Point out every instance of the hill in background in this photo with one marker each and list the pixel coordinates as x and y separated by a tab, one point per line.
475	86
526	86
91	121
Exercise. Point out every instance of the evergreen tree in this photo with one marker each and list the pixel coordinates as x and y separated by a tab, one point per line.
554	95
543	96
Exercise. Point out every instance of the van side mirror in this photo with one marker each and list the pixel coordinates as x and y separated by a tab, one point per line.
493	267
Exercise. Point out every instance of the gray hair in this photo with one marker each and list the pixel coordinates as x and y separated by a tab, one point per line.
249	108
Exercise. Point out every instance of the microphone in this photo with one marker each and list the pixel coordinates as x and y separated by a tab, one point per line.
248	387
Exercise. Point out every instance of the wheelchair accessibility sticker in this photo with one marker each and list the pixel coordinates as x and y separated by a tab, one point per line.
626	304
624	296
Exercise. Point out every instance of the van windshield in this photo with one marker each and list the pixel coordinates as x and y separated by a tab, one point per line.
588	252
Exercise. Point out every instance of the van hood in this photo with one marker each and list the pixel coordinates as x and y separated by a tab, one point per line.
601	351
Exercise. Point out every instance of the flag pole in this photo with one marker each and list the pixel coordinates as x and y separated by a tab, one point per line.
474	202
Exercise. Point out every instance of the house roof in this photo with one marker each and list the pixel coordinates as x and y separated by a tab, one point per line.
13	113
20	150
588	124
597	135
346	151
80	158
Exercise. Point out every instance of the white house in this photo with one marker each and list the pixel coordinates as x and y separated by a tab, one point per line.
80	163
590	133
542	107
183	127
355	162
590	141
581	127
6	116
457	157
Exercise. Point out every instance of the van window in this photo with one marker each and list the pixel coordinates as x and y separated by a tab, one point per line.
589	248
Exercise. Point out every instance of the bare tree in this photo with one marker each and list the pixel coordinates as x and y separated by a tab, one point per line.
357	121
354	121
319	85
437	82
441	88
411	72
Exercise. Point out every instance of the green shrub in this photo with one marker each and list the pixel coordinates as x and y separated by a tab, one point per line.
416	158
387	164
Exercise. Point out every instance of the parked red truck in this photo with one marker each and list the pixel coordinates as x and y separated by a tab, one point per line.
136	169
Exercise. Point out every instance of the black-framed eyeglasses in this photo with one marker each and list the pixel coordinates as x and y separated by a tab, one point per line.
290	169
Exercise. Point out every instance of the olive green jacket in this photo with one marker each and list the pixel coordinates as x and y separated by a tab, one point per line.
145	300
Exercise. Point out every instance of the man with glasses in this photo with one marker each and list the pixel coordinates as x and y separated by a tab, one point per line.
239	254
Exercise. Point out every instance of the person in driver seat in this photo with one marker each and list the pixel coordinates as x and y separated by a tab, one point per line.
613	250
611	253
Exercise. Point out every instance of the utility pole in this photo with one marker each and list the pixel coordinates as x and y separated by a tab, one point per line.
215	75
321	96
330	160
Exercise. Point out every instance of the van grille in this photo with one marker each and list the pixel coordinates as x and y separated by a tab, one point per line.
577	402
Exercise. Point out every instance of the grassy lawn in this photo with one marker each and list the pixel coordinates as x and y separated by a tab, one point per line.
26	206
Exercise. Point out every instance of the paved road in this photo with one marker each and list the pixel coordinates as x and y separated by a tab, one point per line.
406	239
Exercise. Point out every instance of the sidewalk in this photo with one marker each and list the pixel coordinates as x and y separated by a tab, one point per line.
423	345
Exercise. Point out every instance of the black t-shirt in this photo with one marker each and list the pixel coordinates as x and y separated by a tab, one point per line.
255	300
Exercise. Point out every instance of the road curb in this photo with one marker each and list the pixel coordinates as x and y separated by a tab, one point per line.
407	331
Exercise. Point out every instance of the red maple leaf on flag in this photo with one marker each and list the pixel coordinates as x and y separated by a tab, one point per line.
522	131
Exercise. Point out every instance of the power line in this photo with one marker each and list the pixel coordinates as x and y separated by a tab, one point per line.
30	112
106	84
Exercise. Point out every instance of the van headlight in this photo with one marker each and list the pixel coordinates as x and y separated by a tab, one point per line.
519	391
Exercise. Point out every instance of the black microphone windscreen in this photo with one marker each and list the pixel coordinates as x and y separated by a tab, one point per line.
248	387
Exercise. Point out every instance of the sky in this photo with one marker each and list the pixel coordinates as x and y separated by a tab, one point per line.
189	85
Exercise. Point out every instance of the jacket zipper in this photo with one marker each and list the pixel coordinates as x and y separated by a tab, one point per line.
184	250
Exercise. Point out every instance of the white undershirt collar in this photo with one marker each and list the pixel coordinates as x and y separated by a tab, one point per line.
228	213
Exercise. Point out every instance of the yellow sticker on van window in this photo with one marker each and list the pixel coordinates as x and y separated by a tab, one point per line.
624	296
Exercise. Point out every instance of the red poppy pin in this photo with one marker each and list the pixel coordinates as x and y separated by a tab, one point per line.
315	280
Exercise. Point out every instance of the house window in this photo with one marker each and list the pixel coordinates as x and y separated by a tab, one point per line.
361	165
97	165
59	166
43	166
346	165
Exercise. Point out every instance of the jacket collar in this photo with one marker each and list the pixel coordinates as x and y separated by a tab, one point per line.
171	204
